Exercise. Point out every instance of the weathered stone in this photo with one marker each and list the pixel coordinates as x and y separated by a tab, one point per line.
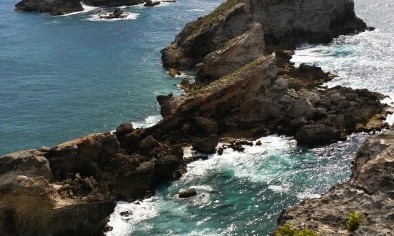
316	134
190	192
124	128
206	145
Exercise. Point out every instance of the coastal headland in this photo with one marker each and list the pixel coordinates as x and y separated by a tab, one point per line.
246	87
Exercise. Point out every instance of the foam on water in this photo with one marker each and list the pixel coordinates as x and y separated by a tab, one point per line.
148	122
253	185
137	212
96	17
86	9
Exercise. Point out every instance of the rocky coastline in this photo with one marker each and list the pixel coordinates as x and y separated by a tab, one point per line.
246	87
369	192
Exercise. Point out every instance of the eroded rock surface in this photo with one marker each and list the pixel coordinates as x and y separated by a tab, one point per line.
71	189
369	191
270	94
284	23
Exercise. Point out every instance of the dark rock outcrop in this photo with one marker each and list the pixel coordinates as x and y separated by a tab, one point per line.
190	192
271	95
71	189
57	7
150	3
249	92
284	23
117	13
242	90
61	7
369	192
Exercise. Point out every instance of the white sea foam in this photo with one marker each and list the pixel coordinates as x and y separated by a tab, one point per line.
96	17
246	164
279	188
148	122
85	7
138	211
196	9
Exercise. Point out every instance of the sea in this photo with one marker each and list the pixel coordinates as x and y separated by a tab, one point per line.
62	77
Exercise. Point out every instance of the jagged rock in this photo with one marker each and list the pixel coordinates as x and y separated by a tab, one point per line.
234	54
206	145
124	128
369	192
117	13
301	108
173	72
190	192
75	185
234	18
150	3
317	134
148	143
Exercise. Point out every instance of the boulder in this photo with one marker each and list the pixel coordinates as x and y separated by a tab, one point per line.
124	128
206	145
150	3
190	192
316	134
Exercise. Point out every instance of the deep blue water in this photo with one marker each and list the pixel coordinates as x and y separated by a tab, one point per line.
63	77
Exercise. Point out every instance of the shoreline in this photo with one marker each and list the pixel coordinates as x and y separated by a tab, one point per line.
80	173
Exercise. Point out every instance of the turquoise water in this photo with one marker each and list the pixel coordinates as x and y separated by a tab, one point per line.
63	77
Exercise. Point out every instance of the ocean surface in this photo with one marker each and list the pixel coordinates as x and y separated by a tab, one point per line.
67	76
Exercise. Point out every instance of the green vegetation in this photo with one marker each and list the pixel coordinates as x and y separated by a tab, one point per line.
288	230
354	220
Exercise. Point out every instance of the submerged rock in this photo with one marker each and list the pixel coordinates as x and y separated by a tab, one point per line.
188	193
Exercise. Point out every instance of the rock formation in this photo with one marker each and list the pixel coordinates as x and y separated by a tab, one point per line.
269	94
284	23
245	87
369	192
71	189
61	7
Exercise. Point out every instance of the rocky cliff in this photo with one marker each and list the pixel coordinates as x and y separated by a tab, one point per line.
369	192
284	24
246	87
71	189
242	87
61	7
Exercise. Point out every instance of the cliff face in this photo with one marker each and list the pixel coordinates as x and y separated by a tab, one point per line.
61	7
284	24
71	189
368	192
